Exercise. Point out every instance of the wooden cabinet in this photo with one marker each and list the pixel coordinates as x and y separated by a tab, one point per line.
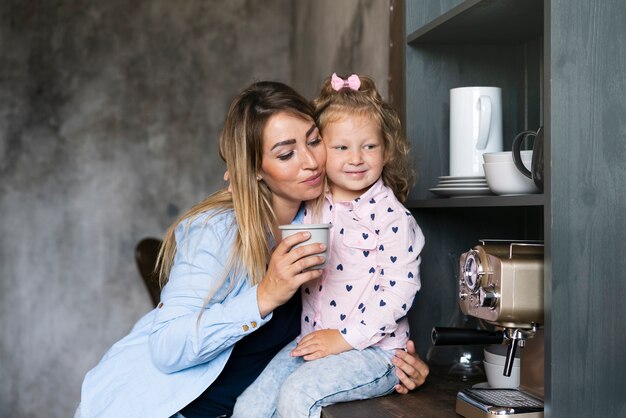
473	44
561	65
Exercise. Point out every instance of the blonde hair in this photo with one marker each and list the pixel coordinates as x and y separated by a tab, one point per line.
241	147
331	105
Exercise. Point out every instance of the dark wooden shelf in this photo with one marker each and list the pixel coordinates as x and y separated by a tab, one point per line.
435	399
484	22
477	202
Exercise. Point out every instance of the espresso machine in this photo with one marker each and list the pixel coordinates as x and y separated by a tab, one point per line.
501	283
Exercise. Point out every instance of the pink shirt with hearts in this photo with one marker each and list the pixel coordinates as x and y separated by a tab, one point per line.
372	274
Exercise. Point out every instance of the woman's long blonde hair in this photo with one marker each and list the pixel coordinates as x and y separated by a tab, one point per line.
331	104
241	147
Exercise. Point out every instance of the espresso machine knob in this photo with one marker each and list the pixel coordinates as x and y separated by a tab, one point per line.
487	298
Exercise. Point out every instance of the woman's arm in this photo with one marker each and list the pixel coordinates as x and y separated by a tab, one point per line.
188	330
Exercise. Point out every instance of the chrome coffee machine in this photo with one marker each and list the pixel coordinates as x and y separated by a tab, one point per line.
501	283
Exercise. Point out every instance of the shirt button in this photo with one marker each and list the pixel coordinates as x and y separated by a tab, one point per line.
160	305
253	323
246	328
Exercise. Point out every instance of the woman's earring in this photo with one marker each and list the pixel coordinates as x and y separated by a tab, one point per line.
258	177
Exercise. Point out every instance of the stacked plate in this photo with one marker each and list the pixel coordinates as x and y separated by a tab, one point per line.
461	186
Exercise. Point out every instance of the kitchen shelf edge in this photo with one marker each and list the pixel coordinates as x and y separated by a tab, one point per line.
473	202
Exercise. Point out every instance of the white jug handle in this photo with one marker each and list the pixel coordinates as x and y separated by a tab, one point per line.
484	121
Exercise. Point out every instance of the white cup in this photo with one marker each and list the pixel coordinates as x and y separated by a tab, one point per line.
496	354
496	377
319	234
507	157
503	178
475	128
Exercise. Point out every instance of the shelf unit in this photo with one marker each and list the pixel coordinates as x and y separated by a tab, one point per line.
505	22
446	52
560	65
478	202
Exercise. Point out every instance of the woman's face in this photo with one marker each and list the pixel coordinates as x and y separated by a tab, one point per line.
294	157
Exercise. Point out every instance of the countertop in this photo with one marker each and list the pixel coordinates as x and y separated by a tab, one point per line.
436	398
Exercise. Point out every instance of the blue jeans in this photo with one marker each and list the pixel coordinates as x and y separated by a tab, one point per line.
292	387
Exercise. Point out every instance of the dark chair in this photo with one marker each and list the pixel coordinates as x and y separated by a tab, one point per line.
146	253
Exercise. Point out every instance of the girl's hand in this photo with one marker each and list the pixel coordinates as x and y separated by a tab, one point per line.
286	271
320	344
410	369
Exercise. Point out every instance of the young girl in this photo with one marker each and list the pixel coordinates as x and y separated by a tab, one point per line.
354	316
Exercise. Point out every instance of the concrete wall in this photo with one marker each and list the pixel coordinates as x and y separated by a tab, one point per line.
109	120
347	36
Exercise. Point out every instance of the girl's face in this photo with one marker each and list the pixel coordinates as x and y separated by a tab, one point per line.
293	159
355	155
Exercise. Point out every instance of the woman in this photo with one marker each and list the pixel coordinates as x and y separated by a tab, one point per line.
230	302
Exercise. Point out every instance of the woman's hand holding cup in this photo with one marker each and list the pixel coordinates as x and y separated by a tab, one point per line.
288	268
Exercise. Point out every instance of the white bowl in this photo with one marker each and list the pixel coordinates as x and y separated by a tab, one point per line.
496	354
507	156
506	179
496	377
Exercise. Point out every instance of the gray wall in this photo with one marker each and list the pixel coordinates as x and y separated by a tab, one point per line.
109	119
347	36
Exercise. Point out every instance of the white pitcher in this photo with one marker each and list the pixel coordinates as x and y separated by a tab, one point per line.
475	128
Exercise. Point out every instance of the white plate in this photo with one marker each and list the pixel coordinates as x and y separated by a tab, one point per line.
463	185
471	181
460	178
461	191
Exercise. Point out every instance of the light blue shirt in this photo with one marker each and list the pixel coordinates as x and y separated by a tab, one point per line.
170	356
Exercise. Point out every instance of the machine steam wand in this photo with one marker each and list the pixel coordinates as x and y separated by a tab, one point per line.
514	337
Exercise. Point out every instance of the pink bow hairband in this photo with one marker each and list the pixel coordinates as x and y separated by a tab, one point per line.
338	83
